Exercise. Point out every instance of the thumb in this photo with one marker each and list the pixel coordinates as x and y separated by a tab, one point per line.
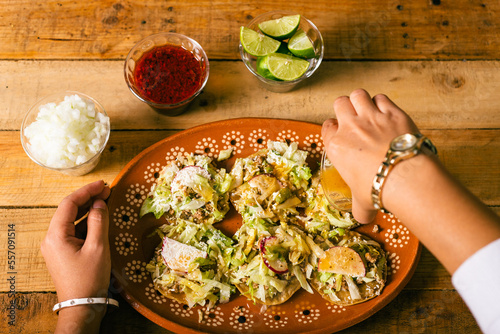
98	223
361	214
329	129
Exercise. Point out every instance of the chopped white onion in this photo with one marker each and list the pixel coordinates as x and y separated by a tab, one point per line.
67	134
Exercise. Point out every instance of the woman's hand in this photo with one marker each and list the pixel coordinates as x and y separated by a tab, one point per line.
357	140
80	268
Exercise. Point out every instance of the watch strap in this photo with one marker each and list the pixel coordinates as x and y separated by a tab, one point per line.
391	159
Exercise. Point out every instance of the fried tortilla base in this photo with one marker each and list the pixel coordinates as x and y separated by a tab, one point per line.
280	298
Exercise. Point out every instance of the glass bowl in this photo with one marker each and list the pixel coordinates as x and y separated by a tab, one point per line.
313	34
31	116
336	191
158	40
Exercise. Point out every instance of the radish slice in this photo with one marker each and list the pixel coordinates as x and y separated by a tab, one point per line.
277	265
342	260
178	256
185	177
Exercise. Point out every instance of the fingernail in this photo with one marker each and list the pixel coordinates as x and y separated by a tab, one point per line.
99	204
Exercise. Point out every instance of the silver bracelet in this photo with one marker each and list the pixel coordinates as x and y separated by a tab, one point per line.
85	301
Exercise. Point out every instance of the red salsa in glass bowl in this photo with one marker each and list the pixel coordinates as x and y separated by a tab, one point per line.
167	71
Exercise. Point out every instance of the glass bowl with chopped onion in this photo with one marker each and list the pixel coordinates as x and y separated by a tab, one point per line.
66	132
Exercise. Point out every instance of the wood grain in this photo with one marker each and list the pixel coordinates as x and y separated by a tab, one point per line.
358	29
436	94
473	156
412	311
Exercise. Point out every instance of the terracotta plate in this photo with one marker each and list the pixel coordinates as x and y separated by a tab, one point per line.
132	247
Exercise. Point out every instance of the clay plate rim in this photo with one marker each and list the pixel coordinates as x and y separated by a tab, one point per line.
119	283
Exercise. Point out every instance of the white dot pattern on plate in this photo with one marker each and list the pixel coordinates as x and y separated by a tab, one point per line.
181	310
136	194
126	244
307	313
125	217
154	295
287	135
208	146
151	172
136	271
314	145
393	263
175	152
398	235
241	319
235	140
214	317
258	139
276	319
336	308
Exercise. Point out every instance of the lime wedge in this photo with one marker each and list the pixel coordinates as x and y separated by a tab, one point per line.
285	67
257	44
281	28
263	68
300	45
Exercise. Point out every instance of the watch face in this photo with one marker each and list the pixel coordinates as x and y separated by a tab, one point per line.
404	142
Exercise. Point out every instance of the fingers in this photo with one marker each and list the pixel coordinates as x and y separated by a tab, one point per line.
67	211
363	103
385	105
328	131
343	107
97	224
362	215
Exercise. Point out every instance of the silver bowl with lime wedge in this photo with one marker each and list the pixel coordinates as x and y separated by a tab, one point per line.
281	49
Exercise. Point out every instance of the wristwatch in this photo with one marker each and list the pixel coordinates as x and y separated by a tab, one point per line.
402	148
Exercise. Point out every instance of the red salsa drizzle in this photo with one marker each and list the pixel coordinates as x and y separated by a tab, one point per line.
167	74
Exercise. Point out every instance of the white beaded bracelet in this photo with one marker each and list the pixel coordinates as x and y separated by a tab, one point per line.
85	301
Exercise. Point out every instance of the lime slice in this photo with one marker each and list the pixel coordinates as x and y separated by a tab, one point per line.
257	44
285	67
263	68
300	45
281	28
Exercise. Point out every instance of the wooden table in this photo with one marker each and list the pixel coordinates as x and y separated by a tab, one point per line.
437	59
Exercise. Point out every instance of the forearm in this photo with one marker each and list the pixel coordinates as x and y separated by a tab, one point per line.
451	222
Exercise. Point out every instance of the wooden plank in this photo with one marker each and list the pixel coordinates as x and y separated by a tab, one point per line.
471	155
430	274
473	158
358	29
436	94
420	311
413	311
28	270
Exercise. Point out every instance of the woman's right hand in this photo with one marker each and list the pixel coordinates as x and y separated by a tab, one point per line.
357	140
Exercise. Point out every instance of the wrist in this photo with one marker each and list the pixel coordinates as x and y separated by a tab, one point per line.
401	149
81	318
412	178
